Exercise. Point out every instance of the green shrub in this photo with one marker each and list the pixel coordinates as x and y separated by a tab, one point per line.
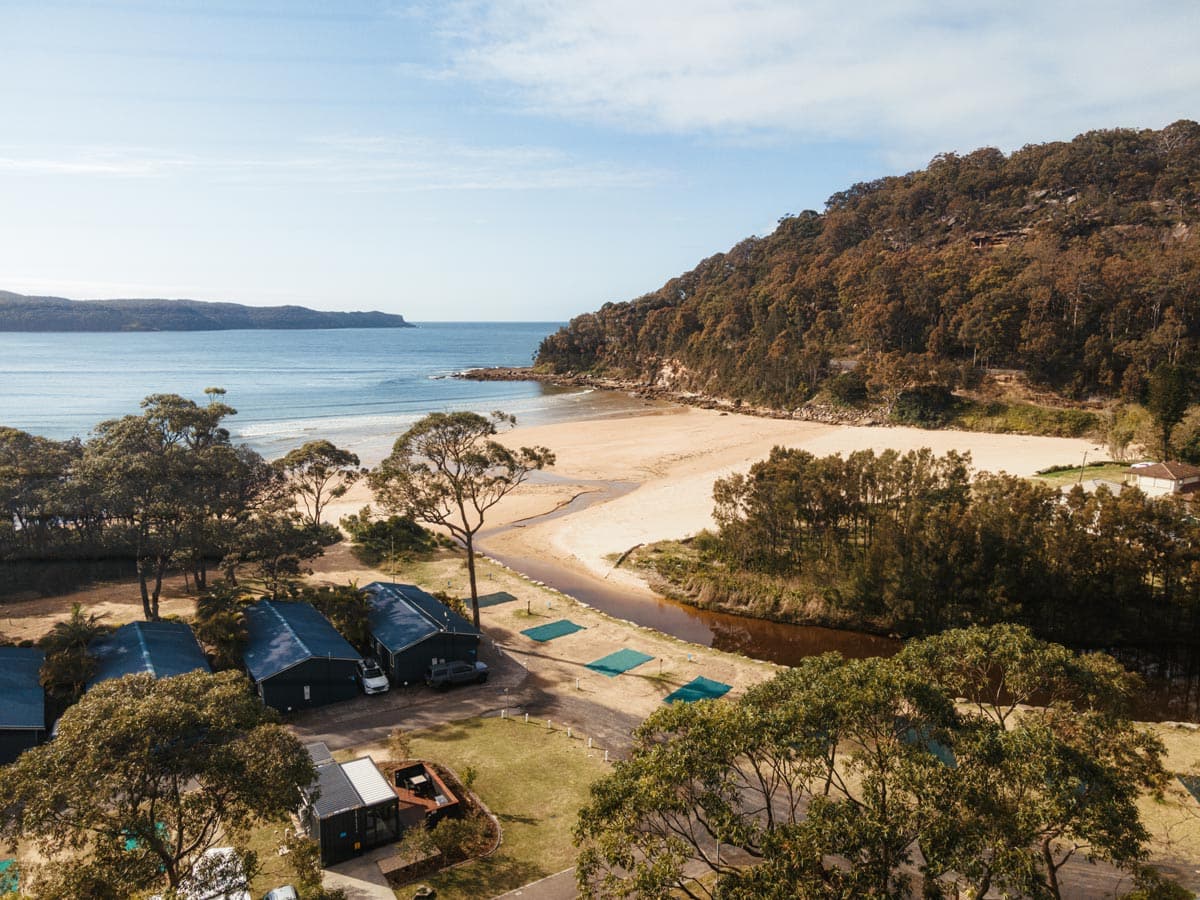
848	388
375	540
926	406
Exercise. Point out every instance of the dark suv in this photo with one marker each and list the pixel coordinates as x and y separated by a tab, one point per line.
442	675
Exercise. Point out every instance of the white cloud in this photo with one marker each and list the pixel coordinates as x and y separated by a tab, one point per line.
352	162
914	75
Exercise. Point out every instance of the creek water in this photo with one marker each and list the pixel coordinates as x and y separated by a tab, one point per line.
1172	675
778	642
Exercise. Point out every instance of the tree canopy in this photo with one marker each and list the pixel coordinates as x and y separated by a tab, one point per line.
446	470
145	775
165	489
1077	262
864	778
915	543
318	472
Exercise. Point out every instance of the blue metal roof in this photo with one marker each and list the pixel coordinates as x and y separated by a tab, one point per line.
284	634
403	615
161	648
22	700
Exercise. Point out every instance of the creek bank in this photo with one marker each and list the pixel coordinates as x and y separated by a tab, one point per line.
823	413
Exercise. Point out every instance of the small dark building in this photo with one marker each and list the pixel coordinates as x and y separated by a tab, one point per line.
22	701
161	648
296	658
355	809
411	630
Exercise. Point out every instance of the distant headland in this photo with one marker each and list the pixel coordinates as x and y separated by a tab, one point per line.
21	313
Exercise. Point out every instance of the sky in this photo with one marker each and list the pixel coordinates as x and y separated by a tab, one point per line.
511	159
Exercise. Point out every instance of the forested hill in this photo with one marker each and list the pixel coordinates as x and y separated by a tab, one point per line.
21	313
1077	262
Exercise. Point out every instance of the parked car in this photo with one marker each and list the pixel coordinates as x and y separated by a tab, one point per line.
287	892
371	677
443	675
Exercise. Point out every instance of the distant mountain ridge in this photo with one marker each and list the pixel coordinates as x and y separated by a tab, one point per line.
19	312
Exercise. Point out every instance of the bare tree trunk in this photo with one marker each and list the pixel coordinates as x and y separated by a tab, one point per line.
470	542
145	591
1051	870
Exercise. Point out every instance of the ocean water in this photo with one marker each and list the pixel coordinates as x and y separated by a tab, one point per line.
356	387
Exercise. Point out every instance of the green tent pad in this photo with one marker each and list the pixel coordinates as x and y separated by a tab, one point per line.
699	688
621	661
9	880
495	599
552	630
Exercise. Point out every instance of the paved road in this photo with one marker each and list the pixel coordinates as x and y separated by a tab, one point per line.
510	686
560	886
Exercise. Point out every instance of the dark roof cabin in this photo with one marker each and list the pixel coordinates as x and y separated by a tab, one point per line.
411	629
22	701
296	658
161	648
355	809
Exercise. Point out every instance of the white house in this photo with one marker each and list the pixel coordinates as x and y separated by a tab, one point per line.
1161	479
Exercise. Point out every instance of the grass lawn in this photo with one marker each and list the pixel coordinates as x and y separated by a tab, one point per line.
1109	471
274	870
533	780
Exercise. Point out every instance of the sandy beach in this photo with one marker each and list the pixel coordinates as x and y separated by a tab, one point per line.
671	455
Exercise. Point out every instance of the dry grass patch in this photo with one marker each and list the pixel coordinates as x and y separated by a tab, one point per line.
534	781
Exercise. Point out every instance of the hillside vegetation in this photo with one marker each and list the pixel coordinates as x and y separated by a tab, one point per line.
1076	262
21	313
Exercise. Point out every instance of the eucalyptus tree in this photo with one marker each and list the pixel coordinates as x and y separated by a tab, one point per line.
319	472
446	470
144	776
827	780
158	474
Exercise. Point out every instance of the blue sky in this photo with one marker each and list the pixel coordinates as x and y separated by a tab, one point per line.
517	159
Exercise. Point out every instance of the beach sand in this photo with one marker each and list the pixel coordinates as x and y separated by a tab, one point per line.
673	454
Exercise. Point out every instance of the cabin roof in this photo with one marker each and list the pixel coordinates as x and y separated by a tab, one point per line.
161	648
283	634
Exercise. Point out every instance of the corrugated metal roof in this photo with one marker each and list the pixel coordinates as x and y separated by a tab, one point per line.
161	648
403	615
372	787
22	700
283	634
337	794
318	752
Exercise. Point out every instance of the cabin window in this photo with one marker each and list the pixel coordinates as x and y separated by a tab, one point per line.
307	692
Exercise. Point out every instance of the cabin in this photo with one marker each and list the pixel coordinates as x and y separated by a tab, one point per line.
296	658
162	649
411	630
350	809
1164	479
22	701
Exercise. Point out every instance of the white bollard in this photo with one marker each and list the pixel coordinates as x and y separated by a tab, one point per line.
526	718
589	743
606	756
549	725
568	731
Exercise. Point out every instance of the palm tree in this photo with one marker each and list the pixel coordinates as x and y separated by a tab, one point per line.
68	664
